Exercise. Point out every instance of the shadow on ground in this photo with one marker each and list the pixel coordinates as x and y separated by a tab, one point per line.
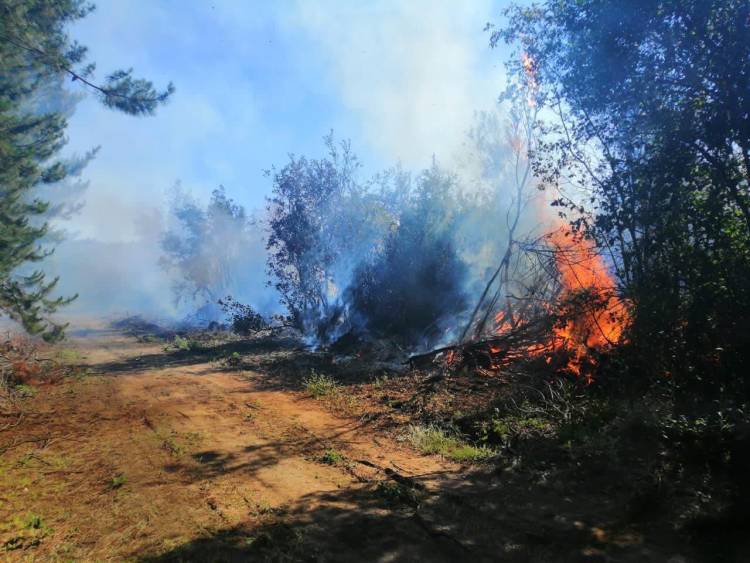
190	357
471	520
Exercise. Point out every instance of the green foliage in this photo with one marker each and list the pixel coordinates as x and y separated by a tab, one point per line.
245	320
36	54
232	360
34	521
307	229
69	356
24	391
434	440
181	343
416	281
648	112
506	429
320	385
332	457
398	493
184	344
117	481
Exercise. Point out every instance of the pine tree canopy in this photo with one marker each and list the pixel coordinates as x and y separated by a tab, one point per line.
36	53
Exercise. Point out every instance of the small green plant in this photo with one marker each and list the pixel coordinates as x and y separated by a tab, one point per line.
117	481
232	360
398	493
184	344
33	521
506	429
380	381
24	391
29	532
332	457
173	447
320	385
187	441
179	343
434	440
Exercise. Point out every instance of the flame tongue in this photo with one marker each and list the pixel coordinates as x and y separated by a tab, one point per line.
592	316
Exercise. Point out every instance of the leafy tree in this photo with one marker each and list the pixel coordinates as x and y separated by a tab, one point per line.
648	126
35	54
304	232
204	247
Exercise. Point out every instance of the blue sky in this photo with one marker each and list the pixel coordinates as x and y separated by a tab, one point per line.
259	80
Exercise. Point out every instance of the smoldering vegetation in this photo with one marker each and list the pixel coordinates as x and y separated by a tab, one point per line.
338	250
403	256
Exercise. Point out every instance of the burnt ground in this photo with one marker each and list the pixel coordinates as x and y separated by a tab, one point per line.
216	452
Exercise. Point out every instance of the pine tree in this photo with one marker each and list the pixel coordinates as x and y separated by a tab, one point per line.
36	54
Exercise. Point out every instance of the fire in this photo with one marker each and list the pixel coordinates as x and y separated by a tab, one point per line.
450	357
581	267
592	327
502	324
594	321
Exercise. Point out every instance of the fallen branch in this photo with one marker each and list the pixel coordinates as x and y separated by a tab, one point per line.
483	352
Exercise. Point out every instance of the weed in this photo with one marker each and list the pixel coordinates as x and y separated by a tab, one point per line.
33	521
332	457
264	508
320	385
117	481
380	381
184	344
233	360
511	427
172	446
397	493
343	403
434	440
24	391
188	441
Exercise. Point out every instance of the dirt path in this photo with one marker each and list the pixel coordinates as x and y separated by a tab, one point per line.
183	461
167	456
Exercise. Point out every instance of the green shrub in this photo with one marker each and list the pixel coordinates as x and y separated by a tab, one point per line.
434	440
397	493
320	385
117	481
24	391
332	457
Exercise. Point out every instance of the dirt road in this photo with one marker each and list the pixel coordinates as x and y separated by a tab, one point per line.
181	461
167	456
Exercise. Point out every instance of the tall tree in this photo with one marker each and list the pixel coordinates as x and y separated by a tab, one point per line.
35	53
651	106
306	233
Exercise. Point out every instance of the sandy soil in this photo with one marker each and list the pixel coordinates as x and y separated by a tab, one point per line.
163	456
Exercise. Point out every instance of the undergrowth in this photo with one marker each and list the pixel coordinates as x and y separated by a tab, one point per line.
320	385
434	440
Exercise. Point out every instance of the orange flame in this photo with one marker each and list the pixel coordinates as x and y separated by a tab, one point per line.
596	324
